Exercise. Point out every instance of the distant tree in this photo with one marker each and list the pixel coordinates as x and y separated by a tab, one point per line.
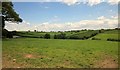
35	30
55	36
47	36
60	36
117	28
100	31
28	30
74	37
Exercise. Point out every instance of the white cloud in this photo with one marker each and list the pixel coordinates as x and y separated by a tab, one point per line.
72	2
114	17
89	2
93	2
100	23
21	26
101	18
113	1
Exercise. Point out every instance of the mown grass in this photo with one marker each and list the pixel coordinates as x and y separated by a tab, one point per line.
54	53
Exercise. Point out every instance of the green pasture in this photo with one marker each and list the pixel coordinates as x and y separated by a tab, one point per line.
113	34
57	53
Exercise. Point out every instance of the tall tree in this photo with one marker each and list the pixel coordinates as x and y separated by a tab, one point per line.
9	14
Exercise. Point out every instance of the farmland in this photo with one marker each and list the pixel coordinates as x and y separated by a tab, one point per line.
27	52
108	34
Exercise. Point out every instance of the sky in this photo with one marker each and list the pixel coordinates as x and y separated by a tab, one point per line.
65	15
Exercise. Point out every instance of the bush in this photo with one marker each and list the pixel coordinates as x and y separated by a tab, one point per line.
9	35
74	37
55	36
47	36
41	37
96	39
14	32
6	34
60	36
110	39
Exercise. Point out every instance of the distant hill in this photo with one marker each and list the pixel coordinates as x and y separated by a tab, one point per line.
111	34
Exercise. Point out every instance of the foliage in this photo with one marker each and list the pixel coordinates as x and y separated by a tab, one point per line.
9	13
47	36
84	35
60	36
109	39
6	33
95	38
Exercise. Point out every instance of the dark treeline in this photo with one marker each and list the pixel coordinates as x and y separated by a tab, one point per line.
77	35
110	39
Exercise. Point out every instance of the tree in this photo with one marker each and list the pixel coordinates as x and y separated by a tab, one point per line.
8	14
47	36
35	30
55	36
60	36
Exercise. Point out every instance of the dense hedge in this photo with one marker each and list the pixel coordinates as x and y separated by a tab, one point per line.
47	36
84	35
96	39
60	36
109	39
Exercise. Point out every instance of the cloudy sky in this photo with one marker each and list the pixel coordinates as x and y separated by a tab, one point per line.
62	15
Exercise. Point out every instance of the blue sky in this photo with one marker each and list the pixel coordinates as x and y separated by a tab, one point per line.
66	15
57	12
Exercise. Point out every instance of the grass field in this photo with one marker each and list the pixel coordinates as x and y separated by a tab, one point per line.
113	34
58	53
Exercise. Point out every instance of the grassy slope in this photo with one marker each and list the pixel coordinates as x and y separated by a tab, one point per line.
56	53
108	34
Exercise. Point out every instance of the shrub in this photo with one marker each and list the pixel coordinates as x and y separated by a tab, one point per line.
110	39
6	34
14	32
60	36
55	36
96	39
47	36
